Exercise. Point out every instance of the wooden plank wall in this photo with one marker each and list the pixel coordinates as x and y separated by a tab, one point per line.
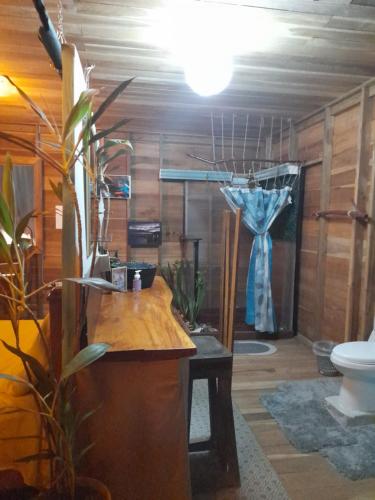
336	285
310	146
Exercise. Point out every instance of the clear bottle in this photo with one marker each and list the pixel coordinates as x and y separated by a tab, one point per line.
137	282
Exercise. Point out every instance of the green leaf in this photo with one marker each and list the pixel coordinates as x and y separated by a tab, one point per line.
41	375
109	143
13	378
8	189
84	358
6	221
86	134
86	415
81	109
57	189
83	452
98	283
32	104
108	131
5	252
22	225
110	99
116	155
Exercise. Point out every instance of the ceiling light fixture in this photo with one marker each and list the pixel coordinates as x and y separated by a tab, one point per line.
204	38
209	74
6	89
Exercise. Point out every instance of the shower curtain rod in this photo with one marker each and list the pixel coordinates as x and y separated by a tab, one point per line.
172	174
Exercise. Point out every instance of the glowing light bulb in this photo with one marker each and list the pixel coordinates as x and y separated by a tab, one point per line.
204	38
208	74
6	89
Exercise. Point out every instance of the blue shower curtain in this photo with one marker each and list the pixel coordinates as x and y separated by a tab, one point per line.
260	207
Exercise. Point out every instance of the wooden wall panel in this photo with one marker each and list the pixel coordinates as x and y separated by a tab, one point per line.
52	236
117	235
145	202
367	302
310	143
309	147
153	200
309	251
332	274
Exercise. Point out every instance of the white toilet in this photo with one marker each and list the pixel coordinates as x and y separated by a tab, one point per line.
356	361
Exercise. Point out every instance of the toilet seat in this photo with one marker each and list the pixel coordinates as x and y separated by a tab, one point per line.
359	352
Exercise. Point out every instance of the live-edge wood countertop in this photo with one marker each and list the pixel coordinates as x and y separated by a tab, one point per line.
140	325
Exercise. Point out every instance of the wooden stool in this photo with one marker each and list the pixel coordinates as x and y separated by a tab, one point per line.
214	362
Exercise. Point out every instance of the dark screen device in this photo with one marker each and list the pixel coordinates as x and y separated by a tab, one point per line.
144	234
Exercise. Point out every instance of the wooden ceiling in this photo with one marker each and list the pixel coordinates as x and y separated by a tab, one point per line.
328	49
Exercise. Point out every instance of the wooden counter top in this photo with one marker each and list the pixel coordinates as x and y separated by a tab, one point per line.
140	325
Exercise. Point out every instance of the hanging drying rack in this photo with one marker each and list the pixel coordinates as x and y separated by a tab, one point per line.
243	169
254	169
232	160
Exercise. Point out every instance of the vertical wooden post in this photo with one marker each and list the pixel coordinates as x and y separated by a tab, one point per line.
222	275
325	181
233	286
222	278
293	142
356	245
39	202
367	309
55	316
129	208
69	249
226	275
126	214
161	161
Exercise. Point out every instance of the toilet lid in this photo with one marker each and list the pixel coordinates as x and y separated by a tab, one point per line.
356	352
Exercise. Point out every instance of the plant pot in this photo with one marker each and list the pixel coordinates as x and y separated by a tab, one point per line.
148	272
87	488
92	488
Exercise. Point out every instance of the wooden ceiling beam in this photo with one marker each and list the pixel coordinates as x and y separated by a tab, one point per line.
342	8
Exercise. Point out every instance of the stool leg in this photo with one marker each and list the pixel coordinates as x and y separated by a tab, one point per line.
190	398
226	437
212	402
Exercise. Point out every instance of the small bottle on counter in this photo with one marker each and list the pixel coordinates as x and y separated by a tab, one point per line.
137	282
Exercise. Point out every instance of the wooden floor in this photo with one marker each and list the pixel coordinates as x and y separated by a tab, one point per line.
304	476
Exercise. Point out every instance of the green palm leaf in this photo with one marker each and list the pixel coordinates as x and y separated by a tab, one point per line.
8	189
6	220
110	99
81	109
84	358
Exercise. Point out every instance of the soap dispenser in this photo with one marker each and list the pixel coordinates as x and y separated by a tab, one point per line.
137	282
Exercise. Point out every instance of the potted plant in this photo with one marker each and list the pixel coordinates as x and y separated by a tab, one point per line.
52	392
188	291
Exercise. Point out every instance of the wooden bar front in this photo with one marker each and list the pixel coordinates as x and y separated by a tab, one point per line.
140	432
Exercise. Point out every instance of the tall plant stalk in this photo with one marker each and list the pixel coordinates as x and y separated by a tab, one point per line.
52	392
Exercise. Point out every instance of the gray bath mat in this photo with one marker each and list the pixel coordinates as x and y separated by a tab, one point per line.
299	408
259	481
